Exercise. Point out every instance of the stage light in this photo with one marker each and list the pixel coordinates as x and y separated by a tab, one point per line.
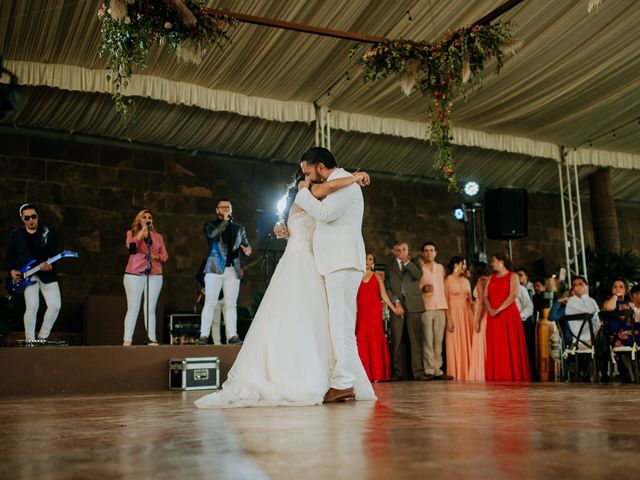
281	205
471	189
458	214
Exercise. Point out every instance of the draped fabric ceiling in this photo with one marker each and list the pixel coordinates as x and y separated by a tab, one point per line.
575	83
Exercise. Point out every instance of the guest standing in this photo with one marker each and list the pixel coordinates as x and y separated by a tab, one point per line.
459	319
402	282
434	319
506	347
478	340
147	253
370	337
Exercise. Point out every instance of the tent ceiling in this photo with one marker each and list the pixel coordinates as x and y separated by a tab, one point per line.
575	80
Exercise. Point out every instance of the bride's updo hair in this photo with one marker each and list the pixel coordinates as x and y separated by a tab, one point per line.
292	192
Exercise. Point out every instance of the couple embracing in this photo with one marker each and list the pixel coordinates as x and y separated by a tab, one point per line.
301	347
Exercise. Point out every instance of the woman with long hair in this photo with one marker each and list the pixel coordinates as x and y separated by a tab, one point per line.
507	358
370	337
478	339
147	253
459	319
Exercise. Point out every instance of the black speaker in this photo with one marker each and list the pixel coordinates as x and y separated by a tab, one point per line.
506	213
265	222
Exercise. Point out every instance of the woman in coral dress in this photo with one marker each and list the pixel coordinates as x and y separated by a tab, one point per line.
507	358
459	319
478	339
370	337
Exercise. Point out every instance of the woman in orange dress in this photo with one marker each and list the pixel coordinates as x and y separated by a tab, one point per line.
370	337
459	319
478	339
507	358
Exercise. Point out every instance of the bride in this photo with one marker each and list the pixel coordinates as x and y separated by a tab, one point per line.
287	355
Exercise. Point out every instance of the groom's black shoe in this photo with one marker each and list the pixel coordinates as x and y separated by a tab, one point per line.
335	395
235	340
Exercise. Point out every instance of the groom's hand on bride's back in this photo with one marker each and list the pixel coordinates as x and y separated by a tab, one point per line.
280	229
362	178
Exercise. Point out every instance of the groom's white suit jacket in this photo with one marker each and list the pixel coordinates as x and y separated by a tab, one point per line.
337	241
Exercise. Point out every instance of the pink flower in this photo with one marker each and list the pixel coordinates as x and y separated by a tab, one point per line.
102	11
447	170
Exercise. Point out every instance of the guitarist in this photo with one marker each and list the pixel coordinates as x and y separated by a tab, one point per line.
35	241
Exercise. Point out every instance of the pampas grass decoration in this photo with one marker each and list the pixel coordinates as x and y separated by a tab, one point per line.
410	76
118	9
511	46
193	53
466	68
593	5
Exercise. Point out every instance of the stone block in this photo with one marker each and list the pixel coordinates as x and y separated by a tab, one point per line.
99	176
45	193
25	167
47	148
14	191
85	153
64	172
14	145
149	160
112	156
115	199
79	220
81	195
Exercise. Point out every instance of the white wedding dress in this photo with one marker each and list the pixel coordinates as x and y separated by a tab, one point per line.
287	355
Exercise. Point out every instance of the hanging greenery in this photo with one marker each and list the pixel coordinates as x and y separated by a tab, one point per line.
440	72
130	27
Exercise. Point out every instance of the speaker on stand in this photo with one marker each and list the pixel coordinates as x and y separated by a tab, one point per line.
506	214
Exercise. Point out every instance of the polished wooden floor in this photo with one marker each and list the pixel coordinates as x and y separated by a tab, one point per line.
416	430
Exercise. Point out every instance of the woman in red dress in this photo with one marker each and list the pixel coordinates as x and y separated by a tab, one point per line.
507	358
372	342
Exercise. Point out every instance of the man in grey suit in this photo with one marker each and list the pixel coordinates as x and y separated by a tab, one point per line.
402	281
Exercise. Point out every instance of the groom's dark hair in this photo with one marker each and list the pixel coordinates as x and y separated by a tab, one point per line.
316	155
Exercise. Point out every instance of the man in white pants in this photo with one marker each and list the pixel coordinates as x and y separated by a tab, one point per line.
227	240
34	241
340	256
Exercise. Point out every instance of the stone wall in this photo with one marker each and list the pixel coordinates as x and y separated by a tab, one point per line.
90	193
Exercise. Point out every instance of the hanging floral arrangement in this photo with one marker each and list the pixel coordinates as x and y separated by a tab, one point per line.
130	27
440	72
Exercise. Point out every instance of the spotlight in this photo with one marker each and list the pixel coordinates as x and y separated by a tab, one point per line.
471	189
459	215
281	205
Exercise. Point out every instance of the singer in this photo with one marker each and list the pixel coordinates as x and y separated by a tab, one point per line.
143	274
226	240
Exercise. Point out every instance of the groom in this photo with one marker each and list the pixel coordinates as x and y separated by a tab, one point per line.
340	256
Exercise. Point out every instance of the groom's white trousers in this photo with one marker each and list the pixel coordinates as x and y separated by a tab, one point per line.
342	289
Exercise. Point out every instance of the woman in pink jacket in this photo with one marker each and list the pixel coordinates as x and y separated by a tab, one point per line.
147	253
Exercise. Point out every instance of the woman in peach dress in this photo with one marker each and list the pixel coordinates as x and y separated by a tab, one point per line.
459	319
478	340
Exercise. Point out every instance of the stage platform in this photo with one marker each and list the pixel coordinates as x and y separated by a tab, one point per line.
98	369
418	430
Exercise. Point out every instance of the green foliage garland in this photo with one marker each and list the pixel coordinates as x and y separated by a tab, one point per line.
130	27
439	72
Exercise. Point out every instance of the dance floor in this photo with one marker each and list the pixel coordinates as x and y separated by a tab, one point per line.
417	430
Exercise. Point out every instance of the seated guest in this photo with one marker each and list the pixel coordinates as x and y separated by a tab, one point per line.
370	337
616	326
581	302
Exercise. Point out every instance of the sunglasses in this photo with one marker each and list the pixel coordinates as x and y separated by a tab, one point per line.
33	216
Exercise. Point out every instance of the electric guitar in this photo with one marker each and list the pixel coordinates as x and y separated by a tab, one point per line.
17	287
